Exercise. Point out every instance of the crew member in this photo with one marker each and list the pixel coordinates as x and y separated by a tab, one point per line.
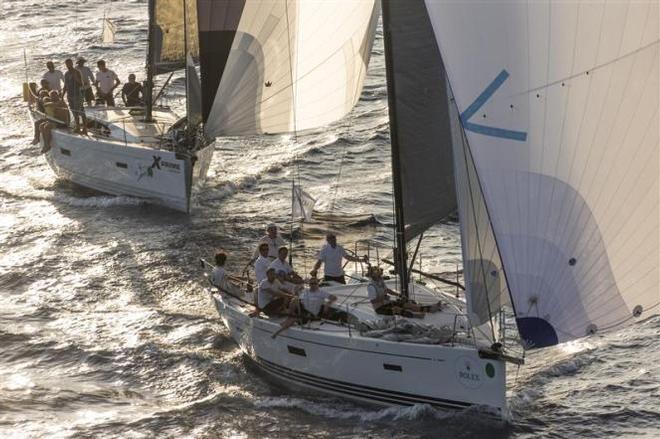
332	255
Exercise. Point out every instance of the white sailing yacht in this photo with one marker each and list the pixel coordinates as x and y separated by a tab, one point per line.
539	122
147	152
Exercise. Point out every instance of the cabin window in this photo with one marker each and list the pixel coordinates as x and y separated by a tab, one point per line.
394	367
65	151
121	165
296	351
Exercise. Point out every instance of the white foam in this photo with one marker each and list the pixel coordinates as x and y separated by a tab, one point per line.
339	410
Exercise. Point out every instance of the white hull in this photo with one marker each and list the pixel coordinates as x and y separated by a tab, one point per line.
333	360
115	167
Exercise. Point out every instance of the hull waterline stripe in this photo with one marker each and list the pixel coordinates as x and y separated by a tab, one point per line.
359	390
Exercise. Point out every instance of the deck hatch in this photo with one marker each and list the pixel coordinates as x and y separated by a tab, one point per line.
121	165
296	351
65	151
394	367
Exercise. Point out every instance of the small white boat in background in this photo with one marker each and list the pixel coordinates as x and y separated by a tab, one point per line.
124	155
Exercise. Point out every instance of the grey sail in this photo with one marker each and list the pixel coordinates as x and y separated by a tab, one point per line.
486	289
171	37
422	117
218	21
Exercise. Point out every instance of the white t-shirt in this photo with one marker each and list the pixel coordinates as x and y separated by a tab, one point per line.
273	246
55	79
260	267
106	80
313	300
278	265
265	293
376	291
218	276
332	259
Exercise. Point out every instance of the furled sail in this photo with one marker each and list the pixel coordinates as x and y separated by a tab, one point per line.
193	94
559	103
422	118
292	64
168	41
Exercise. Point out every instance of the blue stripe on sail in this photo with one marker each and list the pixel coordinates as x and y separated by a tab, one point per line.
479	102
520	136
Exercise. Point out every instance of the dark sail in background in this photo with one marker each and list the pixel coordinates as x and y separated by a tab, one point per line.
168	42
422	117
218	21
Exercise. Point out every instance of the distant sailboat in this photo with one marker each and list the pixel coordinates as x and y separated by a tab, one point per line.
109	29
539	123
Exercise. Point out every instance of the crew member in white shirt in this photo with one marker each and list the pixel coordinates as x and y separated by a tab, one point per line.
221	279
106	82
273	240
315	303
54	77
333	255
272	299
262	263
281	264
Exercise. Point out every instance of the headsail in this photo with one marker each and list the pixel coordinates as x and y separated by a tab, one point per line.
109	29
302	204
168	40
559	102
486	289
293	65
422	118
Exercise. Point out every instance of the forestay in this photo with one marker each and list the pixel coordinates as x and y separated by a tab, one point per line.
486	289
293	65
169	41
422	123
559	102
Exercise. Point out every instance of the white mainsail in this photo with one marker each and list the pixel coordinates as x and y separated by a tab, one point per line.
293	65
559	103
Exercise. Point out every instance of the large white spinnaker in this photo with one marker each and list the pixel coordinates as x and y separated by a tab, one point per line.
559	104
293	64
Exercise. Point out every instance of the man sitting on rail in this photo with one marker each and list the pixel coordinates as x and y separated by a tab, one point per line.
383	305
272	299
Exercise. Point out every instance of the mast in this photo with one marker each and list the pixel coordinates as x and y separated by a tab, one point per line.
185	56
149	83
400	254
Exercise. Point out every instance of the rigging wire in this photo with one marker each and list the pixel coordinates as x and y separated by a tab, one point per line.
295	129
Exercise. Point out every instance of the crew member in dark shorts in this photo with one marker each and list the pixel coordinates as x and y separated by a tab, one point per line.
73	89
106	82
333	255
88	79
131	92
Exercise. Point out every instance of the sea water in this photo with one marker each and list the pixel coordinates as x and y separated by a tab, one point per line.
106	327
